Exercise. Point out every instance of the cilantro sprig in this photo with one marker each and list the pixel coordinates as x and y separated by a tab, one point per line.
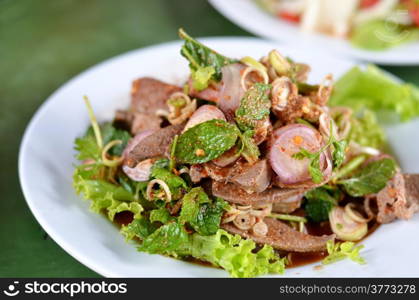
339	251
338	156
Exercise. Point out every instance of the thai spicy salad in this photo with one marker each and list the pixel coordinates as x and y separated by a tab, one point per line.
368	24
247	166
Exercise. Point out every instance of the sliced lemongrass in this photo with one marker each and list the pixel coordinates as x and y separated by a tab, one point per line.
354	215
111	162
161	183
93	120
291	218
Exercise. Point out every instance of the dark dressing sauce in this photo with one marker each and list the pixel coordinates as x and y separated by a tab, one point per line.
295	259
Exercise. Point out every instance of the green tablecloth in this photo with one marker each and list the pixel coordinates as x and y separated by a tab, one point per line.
42	45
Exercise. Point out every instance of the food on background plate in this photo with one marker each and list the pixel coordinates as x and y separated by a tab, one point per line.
248	167
368	24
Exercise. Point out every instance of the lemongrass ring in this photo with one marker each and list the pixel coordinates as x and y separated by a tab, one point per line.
162	184
354	215
251	62
247	207
111	162
367	207
248	71
281	91
162	113
184	170
279	63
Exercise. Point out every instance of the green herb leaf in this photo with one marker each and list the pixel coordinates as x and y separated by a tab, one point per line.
175	183
161	215
205	63
236	255
366	131
370	179
339	152
373	89
314	166
202	77
140	228
249	150
254	106
341	251
202	213
110	133
320	202
170	239
205	141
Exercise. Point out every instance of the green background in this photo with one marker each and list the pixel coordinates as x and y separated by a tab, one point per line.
43	44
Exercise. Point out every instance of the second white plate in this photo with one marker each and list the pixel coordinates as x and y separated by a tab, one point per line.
251	17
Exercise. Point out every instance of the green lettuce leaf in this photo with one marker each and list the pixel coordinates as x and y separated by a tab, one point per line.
373	89
106	196
161	215
170	239
236	255
381	35
139	228
366	131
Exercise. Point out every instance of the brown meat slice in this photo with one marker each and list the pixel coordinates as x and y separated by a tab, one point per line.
154	145
411	183
234	194
282	237
149	95
288	205
255	178
251	178
399	199
136	122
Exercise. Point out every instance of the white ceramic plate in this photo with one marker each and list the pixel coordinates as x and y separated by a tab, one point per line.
251	17
47	157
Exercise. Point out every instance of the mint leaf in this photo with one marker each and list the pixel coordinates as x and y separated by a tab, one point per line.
320	202
249	150
140	228
169	239
205	63
161	215
254	106
339	152
201	212
205	141
370	179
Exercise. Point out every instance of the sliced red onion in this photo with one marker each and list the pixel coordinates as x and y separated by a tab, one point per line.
287	141
231	89
228	92
227	158
204	113
135	141
141	172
